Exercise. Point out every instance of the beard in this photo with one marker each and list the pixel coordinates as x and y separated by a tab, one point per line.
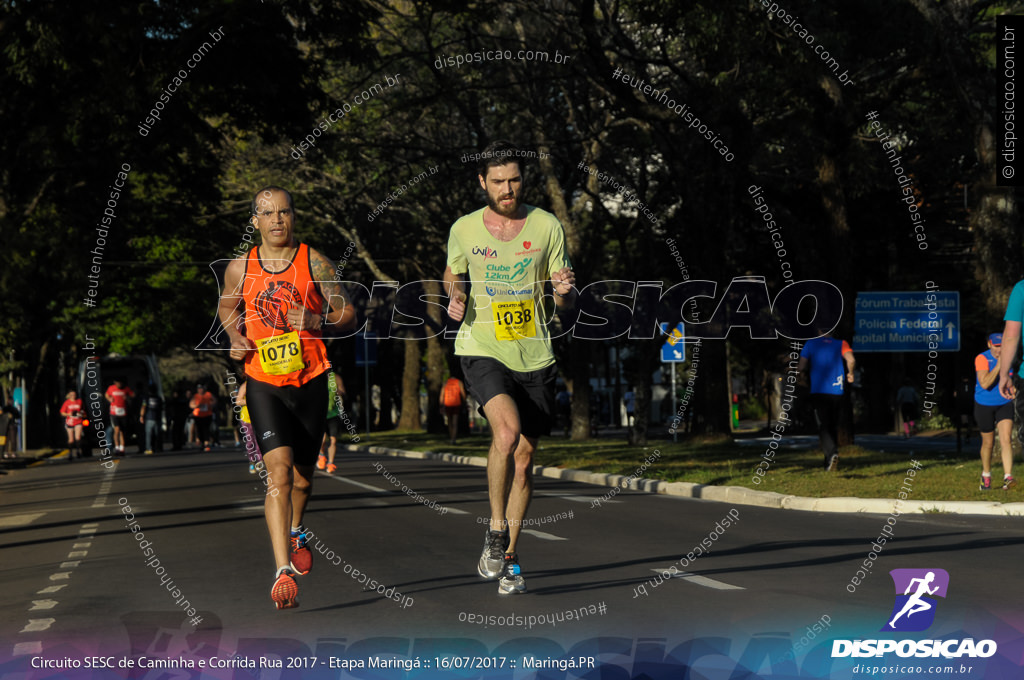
509	211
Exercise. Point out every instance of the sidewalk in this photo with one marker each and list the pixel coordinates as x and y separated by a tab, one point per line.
736	495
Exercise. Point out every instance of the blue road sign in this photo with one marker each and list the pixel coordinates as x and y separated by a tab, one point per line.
908	321
674	349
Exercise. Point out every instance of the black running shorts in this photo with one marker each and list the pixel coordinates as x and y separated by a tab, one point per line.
334	427
987	416
289	416
532	391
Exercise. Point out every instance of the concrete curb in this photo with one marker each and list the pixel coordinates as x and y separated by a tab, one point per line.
735	495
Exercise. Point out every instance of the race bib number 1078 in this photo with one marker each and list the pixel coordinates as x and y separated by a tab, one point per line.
281	354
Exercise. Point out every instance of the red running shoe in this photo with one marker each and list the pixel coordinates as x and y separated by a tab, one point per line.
285	590
302	557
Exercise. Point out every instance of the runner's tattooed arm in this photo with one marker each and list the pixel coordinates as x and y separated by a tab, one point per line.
341	315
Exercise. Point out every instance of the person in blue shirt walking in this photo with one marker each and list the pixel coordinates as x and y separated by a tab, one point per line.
993	411
826	357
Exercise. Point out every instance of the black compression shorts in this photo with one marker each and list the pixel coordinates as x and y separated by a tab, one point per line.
987	416
532	391
334	427
289	416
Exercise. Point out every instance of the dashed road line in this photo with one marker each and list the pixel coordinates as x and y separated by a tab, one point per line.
699	580
544	535
51	589
79	549
36	625
10	521
27	648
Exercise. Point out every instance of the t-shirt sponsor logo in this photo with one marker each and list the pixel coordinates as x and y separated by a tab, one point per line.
488	253
528	249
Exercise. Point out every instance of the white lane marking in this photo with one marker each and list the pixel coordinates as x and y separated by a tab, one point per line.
361	485
60	576
20	520
78	553
92	525
546	536
37	625
34	647
51	589
579	499
83	532
70	565
259	507
42	604
702	580
370	487
87	544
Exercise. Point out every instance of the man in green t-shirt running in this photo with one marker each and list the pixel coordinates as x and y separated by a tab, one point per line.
511	252
335	400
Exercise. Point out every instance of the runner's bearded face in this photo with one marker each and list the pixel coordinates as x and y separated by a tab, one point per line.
504	187
275	219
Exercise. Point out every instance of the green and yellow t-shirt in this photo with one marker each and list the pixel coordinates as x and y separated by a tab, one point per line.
505	315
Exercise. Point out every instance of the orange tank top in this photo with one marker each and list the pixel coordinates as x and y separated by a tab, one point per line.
282	356
452	393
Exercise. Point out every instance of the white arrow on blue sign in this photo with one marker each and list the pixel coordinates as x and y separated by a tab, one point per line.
674	349
907	321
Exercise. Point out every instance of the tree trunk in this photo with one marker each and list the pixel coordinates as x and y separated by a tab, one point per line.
436	363
579	369
410	418
712	413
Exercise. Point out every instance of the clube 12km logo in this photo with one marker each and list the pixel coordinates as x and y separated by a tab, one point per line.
914	611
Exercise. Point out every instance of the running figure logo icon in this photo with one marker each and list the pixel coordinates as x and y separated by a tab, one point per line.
914	609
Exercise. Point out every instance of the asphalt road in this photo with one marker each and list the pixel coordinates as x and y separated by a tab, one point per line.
77	583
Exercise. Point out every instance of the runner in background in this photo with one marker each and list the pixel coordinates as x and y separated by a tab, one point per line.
335	402
71	409
202	411
453	396
993	412
247	439
118	396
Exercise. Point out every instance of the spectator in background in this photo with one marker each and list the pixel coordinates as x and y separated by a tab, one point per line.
824	358
993	411
150	415
71	409
629	401
906	404
190	421
453	396
9	417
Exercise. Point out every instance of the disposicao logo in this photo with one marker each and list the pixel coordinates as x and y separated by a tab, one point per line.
913	611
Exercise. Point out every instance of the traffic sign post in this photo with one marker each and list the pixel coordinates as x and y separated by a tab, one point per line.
673	352
907	321
674	349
